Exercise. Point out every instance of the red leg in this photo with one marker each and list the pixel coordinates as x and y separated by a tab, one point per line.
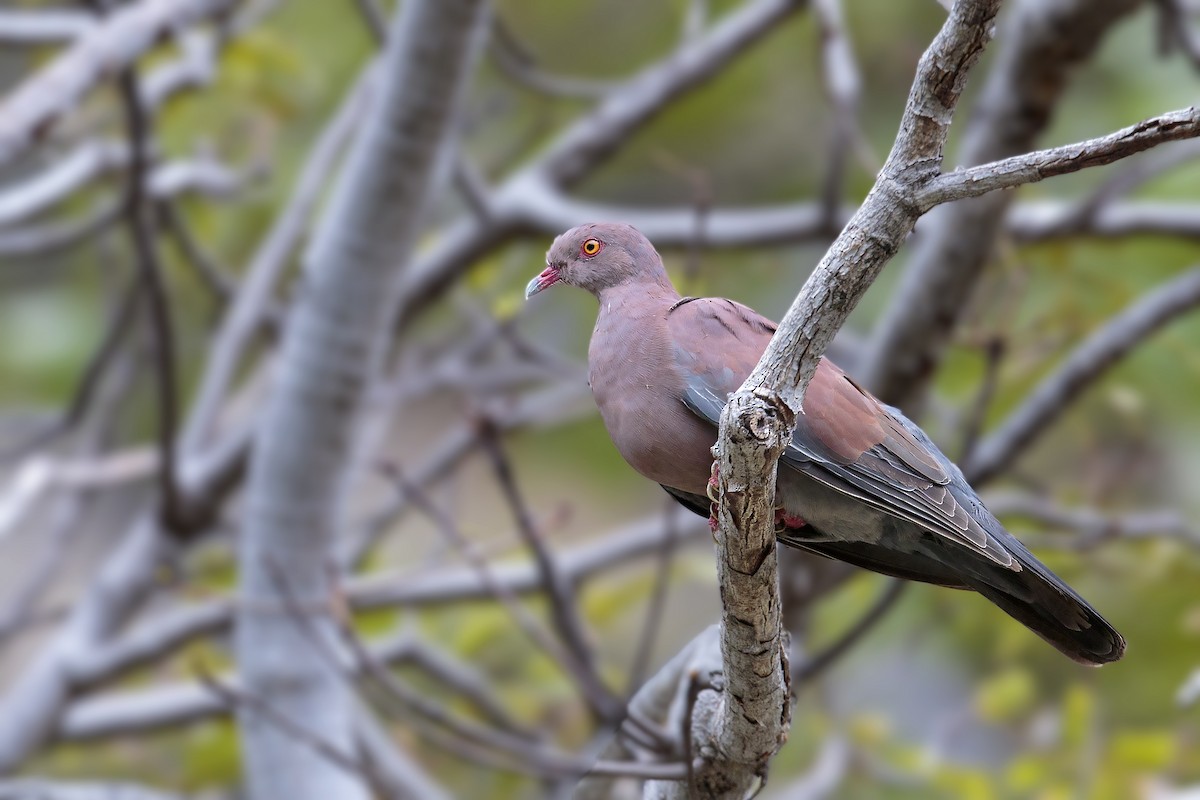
784	520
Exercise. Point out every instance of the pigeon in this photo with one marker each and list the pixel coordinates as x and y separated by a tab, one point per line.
859	482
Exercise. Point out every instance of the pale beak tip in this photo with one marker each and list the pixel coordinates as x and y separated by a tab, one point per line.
544	280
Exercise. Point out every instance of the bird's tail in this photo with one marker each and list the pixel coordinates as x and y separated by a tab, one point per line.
1042	602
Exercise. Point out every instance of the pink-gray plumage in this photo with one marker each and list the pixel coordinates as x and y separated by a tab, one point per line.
868	484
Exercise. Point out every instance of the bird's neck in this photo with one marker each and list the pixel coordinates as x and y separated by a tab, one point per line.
647	295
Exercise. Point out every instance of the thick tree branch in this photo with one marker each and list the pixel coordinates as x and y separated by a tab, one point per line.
332	350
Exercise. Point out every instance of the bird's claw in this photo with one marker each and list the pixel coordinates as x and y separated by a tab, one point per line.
713	491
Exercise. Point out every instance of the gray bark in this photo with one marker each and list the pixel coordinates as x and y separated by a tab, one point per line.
332	348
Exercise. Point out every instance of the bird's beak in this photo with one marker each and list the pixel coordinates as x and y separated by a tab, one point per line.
545	279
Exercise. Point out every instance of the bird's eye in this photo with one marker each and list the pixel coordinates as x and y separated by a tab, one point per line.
591	246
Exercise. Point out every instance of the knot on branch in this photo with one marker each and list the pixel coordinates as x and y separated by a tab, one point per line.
761	417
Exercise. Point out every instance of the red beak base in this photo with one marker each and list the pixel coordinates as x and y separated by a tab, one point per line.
545	279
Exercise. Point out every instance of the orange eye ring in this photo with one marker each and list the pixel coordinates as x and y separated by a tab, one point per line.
591	247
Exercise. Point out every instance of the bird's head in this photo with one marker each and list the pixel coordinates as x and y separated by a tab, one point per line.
599	256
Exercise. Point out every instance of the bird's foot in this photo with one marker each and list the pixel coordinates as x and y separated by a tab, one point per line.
713	490
714	483
785	521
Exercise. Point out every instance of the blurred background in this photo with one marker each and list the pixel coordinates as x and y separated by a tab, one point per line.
478	446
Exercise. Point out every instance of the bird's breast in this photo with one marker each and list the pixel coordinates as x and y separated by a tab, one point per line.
638	390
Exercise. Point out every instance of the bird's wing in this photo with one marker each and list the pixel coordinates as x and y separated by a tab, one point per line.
844	438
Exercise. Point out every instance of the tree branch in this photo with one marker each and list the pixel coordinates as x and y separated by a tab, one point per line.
1041	41
1037	166
585	144
333	347
1090	360
110	46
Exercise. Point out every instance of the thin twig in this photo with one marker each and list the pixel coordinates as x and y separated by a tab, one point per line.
515	61
564	606
139	213
1037	166
119	325
234	698
657	604
106	48
375	19
993	351
597	696
819	662
533	757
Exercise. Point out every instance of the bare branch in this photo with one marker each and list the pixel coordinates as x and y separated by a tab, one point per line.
563	604
993	350
1091	359
814	665
1037	166
1092	526
39	789
460	677
56	236
394	772
244	318
178	178
296	730
35	699
1041	41
544	208
657	604
514	59
165	634
1046	220
586	143
139	212
839	72
464	583
107	48
195	67
118	326
600	699
1176	29
43	26
375	18
69	172
333	347
824	778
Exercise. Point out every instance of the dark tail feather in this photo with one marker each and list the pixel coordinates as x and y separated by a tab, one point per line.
1040	601
1034	596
